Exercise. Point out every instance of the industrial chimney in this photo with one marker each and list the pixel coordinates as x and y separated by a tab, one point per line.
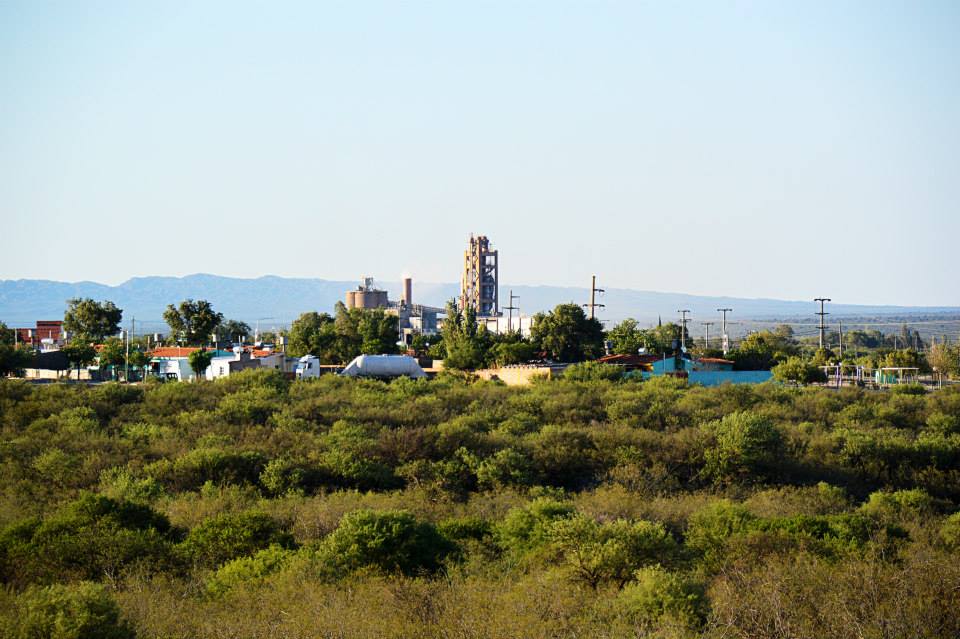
407	295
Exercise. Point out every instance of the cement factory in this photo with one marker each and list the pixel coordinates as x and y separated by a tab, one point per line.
479	290
412	319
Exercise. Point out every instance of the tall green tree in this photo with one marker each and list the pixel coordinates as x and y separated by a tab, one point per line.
660	339
364	331
200	361
113	353
231	331
7	335
567	334
378	331
12	358
467	344
192	322
510	348
905	358
313	334
95	320
79	353
944	359
763	350
626	337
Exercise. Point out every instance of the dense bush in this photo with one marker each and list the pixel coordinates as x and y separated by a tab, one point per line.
610	552
80	611
249	570
656	593
91	538
742	446
798	370
229	536
393	541
592	371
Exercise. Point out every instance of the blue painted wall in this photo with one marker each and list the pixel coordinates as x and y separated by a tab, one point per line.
715	378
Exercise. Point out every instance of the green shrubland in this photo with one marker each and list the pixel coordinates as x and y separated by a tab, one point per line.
584	506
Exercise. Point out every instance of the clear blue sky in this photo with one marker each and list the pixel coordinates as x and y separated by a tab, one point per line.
761	149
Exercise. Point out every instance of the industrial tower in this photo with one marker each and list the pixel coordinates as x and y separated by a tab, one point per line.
481	278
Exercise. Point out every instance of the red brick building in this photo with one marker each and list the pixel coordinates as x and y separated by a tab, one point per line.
47	335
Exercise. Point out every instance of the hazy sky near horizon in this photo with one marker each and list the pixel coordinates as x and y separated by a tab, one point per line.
756	149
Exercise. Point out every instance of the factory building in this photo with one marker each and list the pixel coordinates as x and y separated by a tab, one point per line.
412	319
480	281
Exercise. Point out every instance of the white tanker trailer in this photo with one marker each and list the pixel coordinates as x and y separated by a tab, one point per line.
383	366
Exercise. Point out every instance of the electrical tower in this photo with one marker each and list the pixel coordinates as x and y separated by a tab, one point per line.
723	330
822	327
683	328
593	305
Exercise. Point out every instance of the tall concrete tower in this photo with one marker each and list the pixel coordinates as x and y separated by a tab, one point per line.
480	282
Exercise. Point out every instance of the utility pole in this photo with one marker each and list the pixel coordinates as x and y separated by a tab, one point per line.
822	326
126	359
723	329
840	325
593	304
683	327
510	309
706	333
256	334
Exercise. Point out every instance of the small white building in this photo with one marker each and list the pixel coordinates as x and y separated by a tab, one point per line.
173	362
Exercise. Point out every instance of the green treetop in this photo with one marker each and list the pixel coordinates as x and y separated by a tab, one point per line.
567	334
95	320
192	322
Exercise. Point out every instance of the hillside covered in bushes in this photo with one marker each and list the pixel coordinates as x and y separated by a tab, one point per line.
258	507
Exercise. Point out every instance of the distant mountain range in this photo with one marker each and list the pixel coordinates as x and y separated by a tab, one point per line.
278	300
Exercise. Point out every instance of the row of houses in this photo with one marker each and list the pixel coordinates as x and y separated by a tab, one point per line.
172	362
167	362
